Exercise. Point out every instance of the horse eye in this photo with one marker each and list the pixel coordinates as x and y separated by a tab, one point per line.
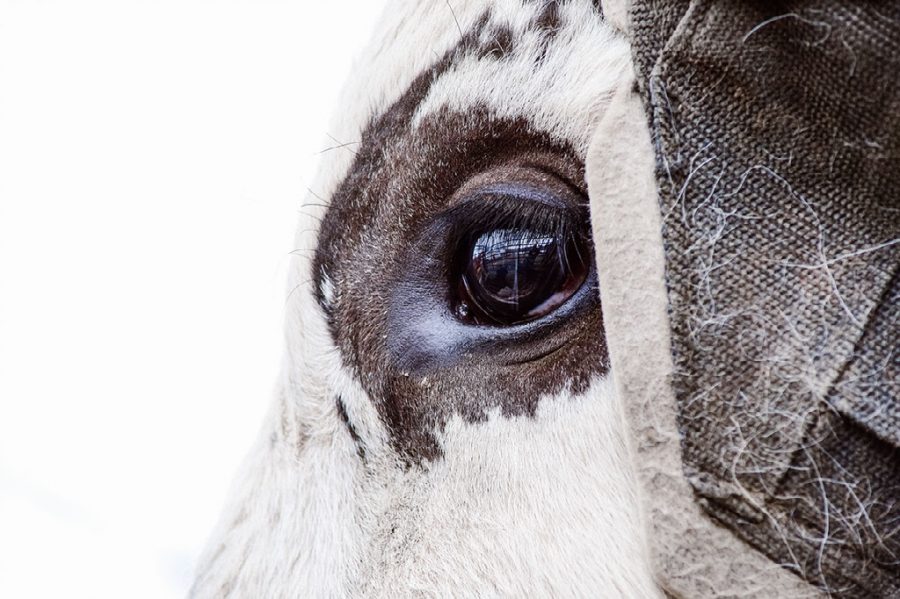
509	276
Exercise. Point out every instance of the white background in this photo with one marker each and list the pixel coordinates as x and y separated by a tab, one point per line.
153	157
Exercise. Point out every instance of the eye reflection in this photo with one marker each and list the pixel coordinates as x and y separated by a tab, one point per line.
514	275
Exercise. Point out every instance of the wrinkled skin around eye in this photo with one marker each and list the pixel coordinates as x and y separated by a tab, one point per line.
508	276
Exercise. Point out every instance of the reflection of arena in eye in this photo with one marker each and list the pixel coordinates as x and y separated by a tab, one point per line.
516	265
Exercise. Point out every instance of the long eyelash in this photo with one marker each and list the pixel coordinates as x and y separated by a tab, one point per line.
486	214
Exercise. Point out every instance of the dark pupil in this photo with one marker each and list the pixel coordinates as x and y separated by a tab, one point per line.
518	274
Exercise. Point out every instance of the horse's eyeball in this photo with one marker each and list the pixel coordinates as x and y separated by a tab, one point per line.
507	276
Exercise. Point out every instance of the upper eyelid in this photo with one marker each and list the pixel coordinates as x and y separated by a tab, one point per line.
508	190
537	174
486	211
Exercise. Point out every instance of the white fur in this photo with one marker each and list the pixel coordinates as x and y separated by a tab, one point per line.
542	506
517	506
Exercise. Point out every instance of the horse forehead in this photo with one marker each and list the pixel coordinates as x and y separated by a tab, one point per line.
553	63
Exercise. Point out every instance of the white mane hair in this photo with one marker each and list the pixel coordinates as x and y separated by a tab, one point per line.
542	505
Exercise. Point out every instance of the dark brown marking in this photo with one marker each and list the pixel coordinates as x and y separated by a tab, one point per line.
548	24
342	414
401	179
548	21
